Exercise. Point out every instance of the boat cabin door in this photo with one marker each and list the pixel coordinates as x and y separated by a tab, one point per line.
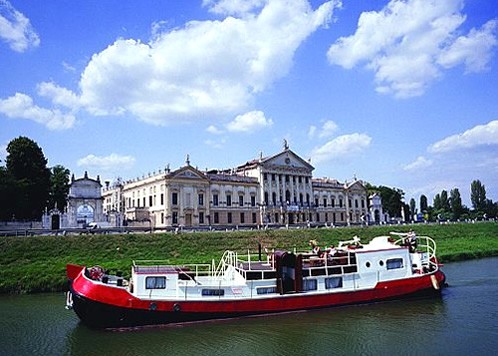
289	272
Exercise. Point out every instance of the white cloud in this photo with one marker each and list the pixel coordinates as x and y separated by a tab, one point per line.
341	147
202	69
21	106
216	143
473	50
249	122
214	130
312	131
477	136
3	154
16	29
408	43
328	129
107	163
59	95
233	7
420	163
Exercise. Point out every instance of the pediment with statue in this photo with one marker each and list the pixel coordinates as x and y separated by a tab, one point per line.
187	172
287	160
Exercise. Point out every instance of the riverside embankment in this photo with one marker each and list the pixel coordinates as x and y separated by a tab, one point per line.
37	263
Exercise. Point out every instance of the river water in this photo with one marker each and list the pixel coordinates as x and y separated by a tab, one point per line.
464	321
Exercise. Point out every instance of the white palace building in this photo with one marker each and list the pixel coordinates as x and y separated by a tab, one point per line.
275	190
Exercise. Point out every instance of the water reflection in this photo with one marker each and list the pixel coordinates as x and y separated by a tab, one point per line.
340	331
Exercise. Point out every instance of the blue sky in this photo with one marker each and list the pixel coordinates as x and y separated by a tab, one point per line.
397	93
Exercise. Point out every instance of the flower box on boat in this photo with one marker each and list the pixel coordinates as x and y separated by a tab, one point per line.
238	285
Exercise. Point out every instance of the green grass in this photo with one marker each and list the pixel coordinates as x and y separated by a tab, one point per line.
37	263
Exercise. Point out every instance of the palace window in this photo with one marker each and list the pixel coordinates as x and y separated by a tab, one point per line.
241	200
201	199
215	199
254	218
162	199
216	218
253	200
174	198
175	217
242	218
325	202
229	200
201	217
229	218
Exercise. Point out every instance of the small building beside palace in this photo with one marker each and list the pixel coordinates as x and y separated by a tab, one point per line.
274	190
84	206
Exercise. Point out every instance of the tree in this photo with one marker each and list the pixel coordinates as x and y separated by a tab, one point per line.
456	204
445	203
478	195
27	166
59	187
413	209
437	202
423	204
7	185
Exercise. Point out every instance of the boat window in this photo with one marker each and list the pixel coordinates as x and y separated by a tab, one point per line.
394	263
266	290
333	282
155	282
309	284
381	263
213	292
367	264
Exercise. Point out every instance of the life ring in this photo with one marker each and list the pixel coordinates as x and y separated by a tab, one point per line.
177	307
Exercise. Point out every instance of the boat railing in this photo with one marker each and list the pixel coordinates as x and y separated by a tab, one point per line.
229	259
241	264
157	266
425	246
342	262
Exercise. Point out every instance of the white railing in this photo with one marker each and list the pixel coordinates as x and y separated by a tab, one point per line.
423	245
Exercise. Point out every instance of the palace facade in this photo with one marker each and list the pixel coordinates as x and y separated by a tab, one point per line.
275	190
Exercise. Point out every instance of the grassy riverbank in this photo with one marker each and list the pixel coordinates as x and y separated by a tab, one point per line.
37	263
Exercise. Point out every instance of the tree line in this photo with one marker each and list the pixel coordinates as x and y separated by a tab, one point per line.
445	206
27	185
